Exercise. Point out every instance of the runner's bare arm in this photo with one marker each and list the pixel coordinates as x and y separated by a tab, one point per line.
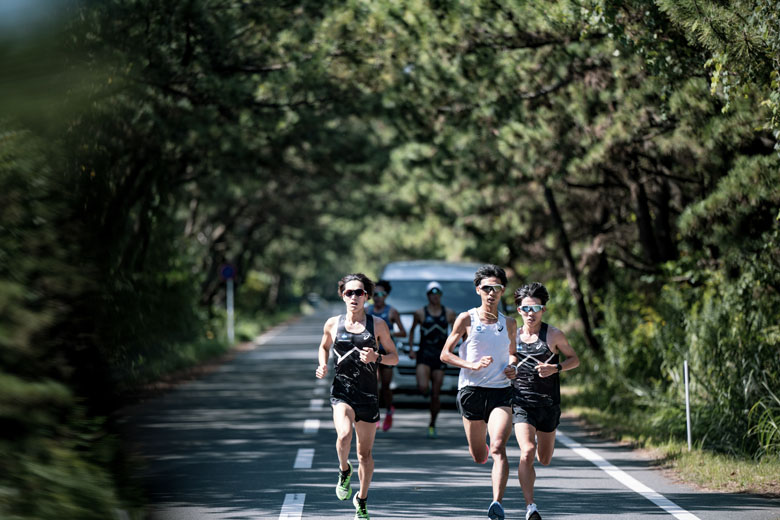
562	344
511	328
559	344
382	332
460	330
325	344
396	318
416	321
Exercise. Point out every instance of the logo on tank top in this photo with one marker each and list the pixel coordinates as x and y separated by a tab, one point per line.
344	336
366	335
480	328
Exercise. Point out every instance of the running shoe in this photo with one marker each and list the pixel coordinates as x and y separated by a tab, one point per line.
531	513
388	423
343	489
361	512
496	511
432	432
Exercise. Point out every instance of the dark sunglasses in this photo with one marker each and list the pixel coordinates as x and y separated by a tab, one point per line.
529	308
349	293
434	291
487	289
381	294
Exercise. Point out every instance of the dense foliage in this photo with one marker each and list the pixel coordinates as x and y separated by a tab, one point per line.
622	152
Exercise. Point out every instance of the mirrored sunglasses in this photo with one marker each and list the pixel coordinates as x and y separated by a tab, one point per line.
529	308
349	293
380	294
434	291
487	289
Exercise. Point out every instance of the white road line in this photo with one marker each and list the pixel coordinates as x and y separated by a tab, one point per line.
311	425
292	509
316	404
626	479
304	458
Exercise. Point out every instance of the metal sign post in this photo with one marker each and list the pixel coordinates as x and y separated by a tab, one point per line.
227	272
687	404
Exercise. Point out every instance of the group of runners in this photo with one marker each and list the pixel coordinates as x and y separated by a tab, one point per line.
434	321
508	375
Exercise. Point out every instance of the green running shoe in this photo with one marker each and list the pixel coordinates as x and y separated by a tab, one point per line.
361	512
343	489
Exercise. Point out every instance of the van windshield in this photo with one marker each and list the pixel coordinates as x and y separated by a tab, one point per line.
409	295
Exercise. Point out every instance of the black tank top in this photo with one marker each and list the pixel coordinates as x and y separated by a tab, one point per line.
530	389
355	381
433	331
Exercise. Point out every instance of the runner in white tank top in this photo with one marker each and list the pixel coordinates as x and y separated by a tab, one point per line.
486	359
485	339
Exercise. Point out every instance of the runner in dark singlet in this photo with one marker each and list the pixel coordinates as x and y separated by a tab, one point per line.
380	310
434	321
536	399
354	338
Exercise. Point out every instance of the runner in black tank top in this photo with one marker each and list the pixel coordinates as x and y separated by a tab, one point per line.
353	339
434	330
433	333
530	389
536	399
390	316
355	381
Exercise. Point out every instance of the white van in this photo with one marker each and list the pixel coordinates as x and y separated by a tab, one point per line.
409	280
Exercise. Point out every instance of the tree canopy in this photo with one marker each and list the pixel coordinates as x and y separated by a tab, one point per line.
623	152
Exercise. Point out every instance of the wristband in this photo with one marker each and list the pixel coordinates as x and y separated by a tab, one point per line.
559	367
379	358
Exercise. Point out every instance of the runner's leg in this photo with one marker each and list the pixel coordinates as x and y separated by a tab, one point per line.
343	417
437	378
423	377
526	474
386	376
366	432
545	446
500	428
476	432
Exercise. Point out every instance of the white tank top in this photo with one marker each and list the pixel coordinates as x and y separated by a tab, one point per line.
485	340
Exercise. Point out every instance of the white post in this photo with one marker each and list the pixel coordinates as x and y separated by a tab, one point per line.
230	333
687	404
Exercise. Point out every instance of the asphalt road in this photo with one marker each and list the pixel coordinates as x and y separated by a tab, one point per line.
255	439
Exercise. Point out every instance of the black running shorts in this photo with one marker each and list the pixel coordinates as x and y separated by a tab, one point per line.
431	358
363	412
544	418
475	403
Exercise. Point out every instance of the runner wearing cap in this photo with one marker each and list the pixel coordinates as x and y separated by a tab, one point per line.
434	321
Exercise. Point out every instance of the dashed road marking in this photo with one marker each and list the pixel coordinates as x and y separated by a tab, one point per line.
311	425
316	404
304	458
292	508
626	479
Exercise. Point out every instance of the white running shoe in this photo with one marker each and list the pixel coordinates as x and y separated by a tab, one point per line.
531	513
